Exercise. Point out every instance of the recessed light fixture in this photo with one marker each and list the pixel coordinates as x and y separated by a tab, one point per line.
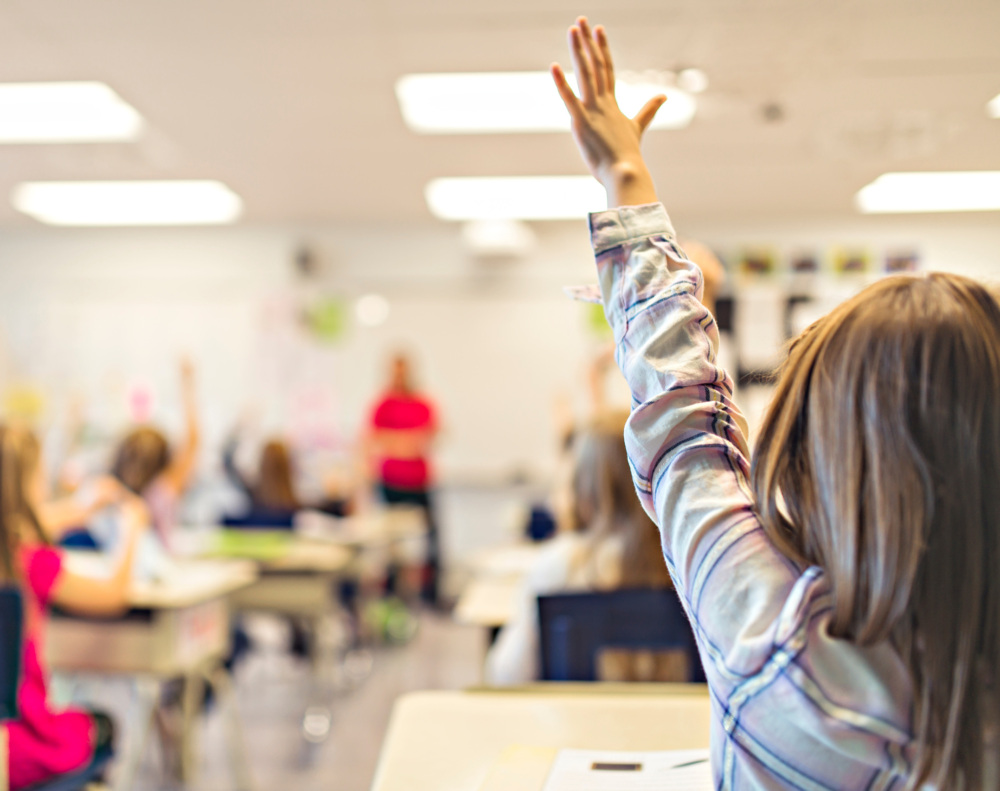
515	198
993	107
128	202
372	310
491	102
930	192
692	80
65	112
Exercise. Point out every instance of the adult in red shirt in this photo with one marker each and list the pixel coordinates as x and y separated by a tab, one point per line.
401	431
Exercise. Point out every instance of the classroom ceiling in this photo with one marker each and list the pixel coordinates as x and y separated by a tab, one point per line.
291	102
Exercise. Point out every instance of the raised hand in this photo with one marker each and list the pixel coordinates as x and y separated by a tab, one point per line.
609	140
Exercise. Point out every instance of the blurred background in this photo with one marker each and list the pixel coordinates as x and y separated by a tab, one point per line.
319	241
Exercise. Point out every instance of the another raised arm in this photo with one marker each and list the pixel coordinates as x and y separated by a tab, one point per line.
178	474
686	439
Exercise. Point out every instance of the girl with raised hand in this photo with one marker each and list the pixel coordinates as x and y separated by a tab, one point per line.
147	465
843	585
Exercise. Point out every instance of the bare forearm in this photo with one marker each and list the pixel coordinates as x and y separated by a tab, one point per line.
60	516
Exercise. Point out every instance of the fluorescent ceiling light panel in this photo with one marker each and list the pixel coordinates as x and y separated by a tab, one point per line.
926	192
993	107
65	112
517	102
515	198
128	202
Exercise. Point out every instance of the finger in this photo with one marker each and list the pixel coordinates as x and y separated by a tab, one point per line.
597	62
609	66
644	117
565	91
581	65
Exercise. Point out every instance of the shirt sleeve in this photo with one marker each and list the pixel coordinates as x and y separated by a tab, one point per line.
687	447
41	569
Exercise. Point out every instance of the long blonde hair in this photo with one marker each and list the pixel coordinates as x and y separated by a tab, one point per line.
879	461
605	503
20	456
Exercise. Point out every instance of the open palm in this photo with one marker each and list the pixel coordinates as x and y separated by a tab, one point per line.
609	140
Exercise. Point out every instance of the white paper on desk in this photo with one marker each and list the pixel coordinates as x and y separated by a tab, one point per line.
671	770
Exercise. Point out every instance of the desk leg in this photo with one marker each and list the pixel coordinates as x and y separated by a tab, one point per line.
318	716
147	694
235	744
191	704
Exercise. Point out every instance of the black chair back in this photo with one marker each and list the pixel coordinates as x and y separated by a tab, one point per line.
576	627
11	634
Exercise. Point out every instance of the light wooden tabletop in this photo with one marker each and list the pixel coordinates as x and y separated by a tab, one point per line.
277	550
452	741
194	581
488	601
186	582
369	529
505	560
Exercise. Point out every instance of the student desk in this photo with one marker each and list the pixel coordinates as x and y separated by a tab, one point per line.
512	559
451	741
374	529
489	599
177	628
297	578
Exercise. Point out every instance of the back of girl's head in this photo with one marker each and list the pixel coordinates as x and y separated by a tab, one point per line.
141	456
19	461
605	503
275	487
879	461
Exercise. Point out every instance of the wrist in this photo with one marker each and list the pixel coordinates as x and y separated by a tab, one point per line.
628	183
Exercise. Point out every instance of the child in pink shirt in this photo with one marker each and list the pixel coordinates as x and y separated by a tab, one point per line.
44	742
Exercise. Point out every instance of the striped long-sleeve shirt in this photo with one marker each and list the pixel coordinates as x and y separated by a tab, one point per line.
793	707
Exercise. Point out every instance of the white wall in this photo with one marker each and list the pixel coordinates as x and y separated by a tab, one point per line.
95	312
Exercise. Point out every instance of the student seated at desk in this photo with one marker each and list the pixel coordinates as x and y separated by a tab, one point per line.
44	742
271	497
607	543
149	467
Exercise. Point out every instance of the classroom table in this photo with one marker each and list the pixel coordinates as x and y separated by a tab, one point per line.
372	529
459	741
488	601
297	578
177	627
507	559
490	598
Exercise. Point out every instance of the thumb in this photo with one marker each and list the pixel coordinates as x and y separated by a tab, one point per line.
644	117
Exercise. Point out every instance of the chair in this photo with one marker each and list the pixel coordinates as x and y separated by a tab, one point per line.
11	635
576	627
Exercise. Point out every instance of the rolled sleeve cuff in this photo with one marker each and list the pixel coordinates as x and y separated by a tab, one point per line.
615	227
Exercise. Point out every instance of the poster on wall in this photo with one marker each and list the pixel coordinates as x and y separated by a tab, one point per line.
851	261
804	262
901	261
758	262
